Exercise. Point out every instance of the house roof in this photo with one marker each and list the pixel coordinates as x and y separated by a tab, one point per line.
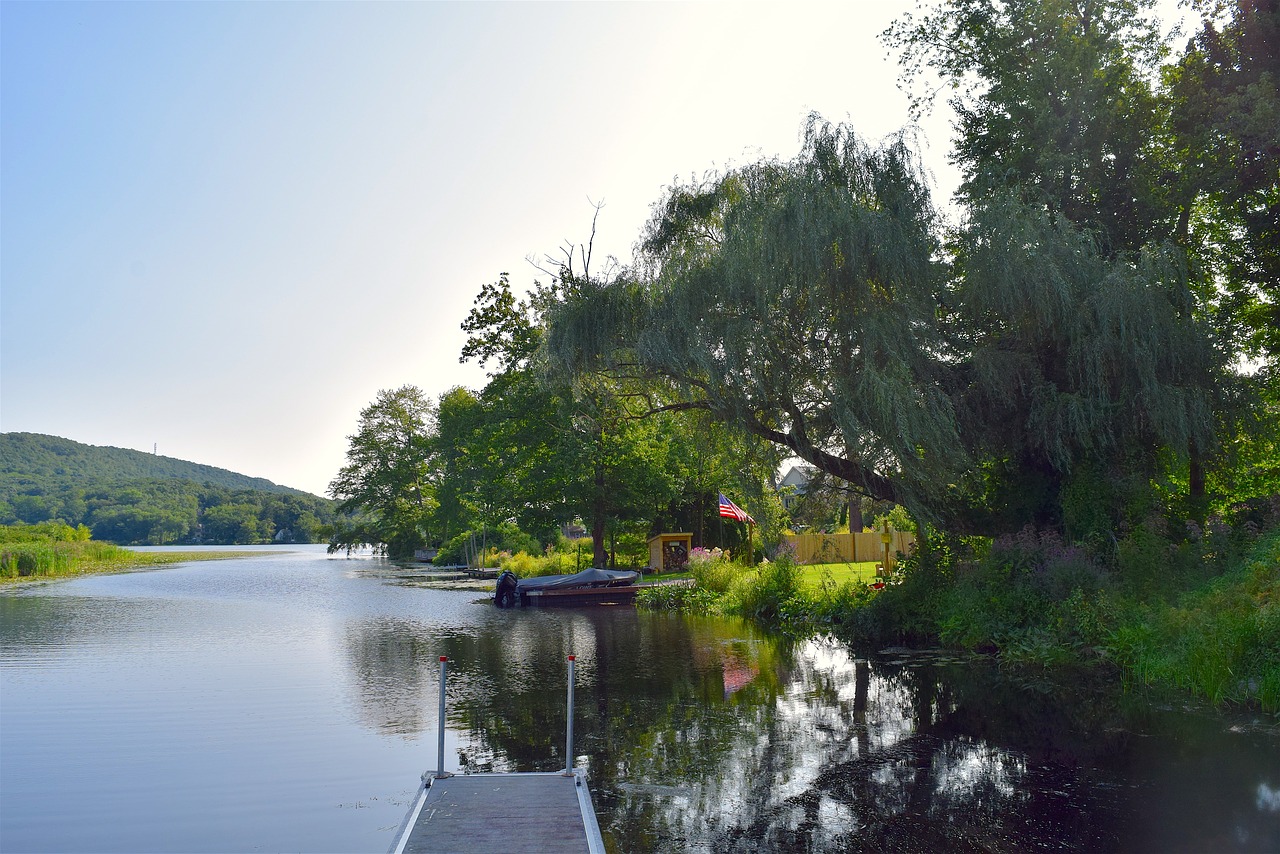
797	477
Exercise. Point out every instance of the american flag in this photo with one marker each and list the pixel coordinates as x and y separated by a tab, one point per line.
729	510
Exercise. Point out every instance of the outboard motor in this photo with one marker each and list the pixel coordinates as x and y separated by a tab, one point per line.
504	595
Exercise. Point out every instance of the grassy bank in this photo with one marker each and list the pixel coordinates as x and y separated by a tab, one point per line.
1221	642
1201	617
34	552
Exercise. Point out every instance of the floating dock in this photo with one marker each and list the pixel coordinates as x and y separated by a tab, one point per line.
483	813
497	813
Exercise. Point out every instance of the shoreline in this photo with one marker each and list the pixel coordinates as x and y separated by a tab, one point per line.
134	562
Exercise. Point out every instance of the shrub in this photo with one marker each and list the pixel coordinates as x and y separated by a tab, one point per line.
712	569
506	537
1221	642
521	563
43	532
835	606
909	610
526	565
686	598
765	596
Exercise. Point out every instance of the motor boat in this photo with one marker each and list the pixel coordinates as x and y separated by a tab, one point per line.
590	586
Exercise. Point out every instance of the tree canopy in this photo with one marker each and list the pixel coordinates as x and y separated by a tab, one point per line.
389	479
1063	352
818	303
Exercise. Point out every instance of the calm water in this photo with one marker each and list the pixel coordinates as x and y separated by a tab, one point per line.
287	703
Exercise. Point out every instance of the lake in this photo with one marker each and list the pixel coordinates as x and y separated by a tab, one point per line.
287	702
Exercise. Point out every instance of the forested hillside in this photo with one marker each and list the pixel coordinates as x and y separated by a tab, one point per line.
130	497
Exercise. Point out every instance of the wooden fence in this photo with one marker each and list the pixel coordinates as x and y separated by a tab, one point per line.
848	548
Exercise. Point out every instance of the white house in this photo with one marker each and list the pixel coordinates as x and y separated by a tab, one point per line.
794	484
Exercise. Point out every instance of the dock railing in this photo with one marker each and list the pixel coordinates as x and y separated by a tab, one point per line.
444	666
568	733
545	811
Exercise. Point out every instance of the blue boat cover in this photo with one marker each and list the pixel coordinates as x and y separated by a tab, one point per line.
586	578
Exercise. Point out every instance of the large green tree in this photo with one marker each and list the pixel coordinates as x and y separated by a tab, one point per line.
390	475
814	303
543	446
1055	101
1063	105
1224	140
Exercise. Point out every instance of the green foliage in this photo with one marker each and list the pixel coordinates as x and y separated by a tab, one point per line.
824	345
1007	597
910	610
686	598
1052	352
1053	98
713	570
540	446
481	548
1224	96
1065	113
1221	642
629	549
389	476
54	532
898	518
771	596
51	461
553	562
54	550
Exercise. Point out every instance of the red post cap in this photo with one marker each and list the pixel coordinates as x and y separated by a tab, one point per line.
444	658
573	658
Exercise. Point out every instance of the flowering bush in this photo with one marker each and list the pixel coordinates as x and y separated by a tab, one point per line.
699	555
786	550
1051	567
712	569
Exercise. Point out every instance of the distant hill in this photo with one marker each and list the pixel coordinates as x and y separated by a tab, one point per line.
44	457
134	498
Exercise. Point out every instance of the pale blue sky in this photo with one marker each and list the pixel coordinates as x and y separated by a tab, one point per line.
225	226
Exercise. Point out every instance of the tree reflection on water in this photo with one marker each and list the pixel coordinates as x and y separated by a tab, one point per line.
708	735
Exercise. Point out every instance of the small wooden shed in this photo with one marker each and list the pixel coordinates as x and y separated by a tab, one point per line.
669	552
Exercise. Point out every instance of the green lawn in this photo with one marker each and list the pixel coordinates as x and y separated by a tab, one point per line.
812	575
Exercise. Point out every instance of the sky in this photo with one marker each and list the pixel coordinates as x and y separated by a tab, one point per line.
224	227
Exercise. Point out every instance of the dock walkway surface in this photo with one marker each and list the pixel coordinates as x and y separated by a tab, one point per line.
483	813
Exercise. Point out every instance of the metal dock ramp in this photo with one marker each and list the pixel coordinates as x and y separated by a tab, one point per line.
496	813
483	813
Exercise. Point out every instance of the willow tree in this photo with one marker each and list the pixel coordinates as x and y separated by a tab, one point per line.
1064	105
797	300
813	302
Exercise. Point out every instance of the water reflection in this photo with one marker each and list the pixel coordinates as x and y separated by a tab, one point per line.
289	702
706	735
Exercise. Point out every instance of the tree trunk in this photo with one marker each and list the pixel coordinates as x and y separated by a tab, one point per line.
1196	485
